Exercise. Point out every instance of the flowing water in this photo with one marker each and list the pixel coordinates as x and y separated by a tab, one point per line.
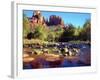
84	59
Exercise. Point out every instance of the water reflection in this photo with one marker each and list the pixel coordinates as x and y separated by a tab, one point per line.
82	58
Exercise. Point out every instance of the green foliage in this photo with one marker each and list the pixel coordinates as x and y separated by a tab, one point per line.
54	33
58	33
40	32
51	36
85	33
69	32
26	26
77	31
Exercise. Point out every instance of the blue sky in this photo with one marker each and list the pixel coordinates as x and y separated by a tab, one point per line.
77	19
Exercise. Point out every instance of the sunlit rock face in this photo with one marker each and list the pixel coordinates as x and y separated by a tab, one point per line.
54	21
37	18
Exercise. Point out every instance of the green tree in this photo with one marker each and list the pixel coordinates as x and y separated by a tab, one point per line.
59	31
40	32
85	33
54	33
77	31
51	36
68	33
26	26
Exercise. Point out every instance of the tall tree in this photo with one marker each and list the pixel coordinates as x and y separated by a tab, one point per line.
85	34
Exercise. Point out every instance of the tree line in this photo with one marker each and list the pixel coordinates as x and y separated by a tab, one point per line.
55	33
